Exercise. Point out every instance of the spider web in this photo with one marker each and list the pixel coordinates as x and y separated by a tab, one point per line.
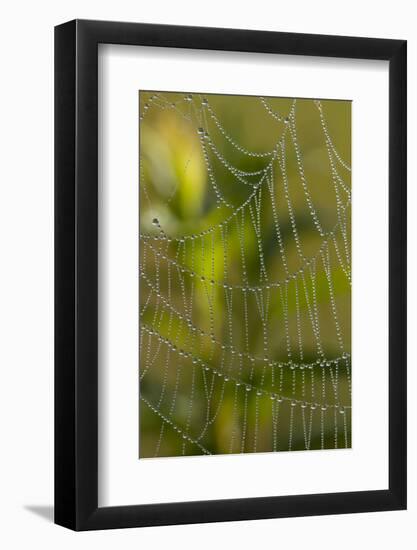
244	281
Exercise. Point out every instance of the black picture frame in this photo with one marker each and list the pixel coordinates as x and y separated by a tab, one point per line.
76	272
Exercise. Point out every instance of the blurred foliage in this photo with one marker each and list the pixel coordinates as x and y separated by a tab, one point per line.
177	198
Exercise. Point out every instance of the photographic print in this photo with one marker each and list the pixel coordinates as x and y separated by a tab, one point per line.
244	274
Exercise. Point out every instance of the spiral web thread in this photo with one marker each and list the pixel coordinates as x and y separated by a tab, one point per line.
204	377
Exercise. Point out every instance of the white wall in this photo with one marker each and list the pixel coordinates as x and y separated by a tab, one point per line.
26	299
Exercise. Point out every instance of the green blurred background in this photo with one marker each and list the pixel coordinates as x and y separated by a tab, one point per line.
182	397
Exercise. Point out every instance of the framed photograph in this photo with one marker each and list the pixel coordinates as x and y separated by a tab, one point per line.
230	248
